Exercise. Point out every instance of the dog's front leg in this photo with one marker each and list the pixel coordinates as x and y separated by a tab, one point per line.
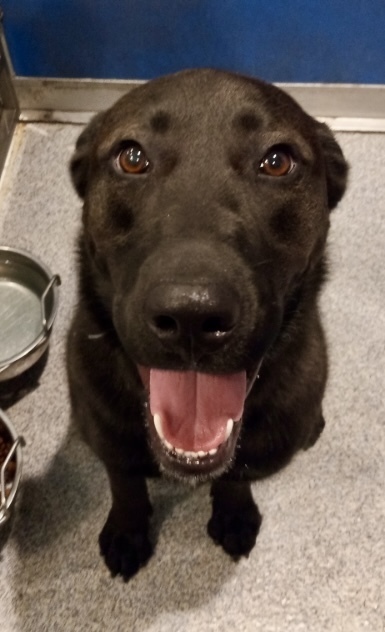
124	540
235	519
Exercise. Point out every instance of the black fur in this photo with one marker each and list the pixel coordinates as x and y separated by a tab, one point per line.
203	215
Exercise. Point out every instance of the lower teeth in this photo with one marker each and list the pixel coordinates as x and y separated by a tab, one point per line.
189	454
186	453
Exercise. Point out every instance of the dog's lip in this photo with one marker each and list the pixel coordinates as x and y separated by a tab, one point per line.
144	373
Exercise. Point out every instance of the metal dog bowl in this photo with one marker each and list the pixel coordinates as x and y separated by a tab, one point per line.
28	304
10	471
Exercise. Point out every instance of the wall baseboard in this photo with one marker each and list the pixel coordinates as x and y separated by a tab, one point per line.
345	107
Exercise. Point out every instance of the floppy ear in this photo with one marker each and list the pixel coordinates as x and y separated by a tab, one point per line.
336	167
80	161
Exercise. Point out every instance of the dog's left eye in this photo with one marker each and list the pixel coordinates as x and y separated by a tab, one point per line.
132	159
278	162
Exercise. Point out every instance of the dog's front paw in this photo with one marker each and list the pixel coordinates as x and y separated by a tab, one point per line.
124	553
236	532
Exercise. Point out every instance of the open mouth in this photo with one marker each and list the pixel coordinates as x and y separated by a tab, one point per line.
195	418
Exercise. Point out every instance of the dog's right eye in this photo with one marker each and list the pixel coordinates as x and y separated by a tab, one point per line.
132	159
277	162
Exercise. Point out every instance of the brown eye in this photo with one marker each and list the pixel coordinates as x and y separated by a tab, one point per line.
278	162
132	159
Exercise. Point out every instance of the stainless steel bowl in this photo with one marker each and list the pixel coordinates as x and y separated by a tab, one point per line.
8	491
28	305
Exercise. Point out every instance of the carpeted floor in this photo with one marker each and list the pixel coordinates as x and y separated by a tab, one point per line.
319	562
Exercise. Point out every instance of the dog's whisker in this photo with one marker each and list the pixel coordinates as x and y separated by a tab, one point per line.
263	263
96	336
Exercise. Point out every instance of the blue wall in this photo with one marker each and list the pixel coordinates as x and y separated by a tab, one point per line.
280	40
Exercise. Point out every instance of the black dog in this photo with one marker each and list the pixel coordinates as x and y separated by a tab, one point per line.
206	211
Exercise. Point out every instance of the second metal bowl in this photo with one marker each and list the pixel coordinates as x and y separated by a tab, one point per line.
9	489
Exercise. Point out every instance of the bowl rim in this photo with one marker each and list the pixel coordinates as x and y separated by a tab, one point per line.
4	515
45	331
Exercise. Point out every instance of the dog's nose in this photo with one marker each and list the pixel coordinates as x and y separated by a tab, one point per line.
192	315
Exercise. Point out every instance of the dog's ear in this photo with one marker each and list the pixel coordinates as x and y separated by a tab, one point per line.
80	161
336	167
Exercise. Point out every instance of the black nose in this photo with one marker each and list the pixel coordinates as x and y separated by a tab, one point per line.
192	314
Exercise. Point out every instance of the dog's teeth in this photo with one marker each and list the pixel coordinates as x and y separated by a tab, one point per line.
158	425
229	428
158	428
188	454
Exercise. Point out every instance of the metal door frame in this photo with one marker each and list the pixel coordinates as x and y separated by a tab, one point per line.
9	108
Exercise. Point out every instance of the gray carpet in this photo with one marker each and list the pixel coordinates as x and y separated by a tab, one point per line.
319	562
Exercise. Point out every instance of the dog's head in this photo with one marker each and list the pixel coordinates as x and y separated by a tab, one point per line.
206	210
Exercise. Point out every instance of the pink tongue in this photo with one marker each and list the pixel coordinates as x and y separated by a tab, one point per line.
195	407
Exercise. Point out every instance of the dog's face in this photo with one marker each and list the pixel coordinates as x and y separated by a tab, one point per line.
207	199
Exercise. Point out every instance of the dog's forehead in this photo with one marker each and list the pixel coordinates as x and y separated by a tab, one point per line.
206	98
